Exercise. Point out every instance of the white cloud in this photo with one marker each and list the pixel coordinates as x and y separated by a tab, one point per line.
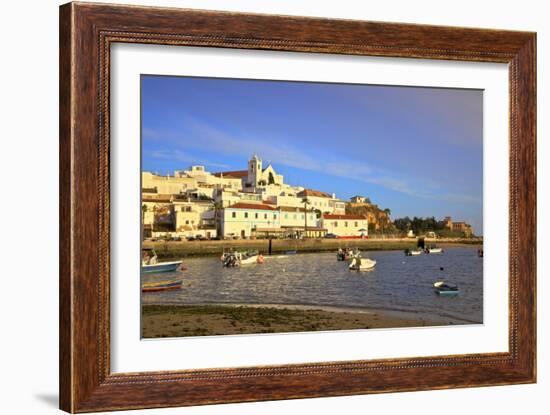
208	138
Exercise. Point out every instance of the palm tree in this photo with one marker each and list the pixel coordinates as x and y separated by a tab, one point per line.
218	206
143	210
306	202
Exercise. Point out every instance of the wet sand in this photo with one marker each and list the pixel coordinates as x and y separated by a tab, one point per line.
208	320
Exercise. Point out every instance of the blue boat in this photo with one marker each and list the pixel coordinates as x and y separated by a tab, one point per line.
150	265
161	267
442	288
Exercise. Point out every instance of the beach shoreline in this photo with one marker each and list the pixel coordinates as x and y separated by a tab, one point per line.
177	320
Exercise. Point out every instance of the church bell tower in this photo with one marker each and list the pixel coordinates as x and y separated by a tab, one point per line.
254	170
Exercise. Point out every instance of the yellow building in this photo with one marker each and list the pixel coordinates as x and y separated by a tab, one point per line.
346	225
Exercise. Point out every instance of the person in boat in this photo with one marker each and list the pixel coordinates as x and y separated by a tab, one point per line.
149	258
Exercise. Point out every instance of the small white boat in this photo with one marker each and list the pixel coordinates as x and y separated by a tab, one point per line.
434	250
361	264
413	252
247	259
237	259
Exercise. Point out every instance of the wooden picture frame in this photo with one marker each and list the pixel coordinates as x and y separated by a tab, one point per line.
86	33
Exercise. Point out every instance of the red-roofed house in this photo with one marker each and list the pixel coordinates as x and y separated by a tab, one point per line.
244	219
346	225
322	201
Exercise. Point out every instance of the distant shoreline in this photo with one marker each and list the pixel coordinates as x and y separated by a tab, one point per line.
174	249
226	319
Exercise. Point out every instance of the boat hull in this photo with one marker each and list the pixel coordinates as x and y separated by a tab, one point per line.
447	293
250	260
161	267
161	286
365	265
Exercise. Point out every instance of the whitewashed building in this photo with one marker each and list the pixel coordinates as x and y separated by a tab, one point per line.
243	220
346	225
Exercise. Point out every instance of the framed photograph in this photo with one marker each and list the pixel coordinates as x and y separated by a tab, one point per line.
259	207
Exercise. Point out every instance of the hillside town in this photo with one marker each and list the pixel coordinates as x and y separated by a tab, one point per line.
254	203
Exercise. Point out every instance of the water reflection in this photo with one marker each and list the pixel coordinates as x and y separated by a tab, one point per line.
397	283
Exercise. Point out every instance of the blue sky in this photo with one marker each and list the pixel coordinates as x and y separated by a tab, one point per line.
417	151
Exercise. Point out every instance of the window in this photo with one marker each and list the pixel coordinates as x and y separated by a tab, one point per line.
356	224
187	222
246	214
256	215
346	224
233	214
302	216
274	217
335	224
265	215
295	217
286	215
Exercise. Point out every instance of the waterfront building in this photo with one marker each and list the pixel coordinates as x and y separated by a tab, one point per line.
346	225
295	219
463	227
243	220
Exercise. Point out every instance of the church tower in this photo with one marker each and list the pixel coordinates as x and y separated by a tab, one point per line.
254	170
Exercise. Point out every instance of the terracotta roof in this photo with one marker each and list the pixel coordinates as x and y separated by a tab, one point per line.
268	202
340	217
315	193
236	174
257	206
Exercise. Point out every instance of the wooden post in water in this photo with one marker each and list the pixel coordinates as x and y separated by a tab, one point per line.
269	238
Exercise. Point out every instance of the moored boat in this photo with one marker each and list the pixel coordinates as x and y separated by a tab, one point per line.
358	263
161	286
413	252
150	264
443	288
362	264
433	250
236	259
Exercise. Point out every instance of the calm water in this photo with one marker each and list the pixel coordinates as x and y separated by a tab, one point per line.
397	283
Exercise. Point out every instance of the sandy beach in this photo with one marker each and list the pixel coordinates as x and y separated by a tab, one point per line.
207	320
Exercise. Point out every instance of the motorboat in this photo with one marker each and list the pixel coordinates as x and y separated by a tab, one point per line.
150	263
443	288
237	259
341	255
433	250
362	264
413	252
161	286
248	258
